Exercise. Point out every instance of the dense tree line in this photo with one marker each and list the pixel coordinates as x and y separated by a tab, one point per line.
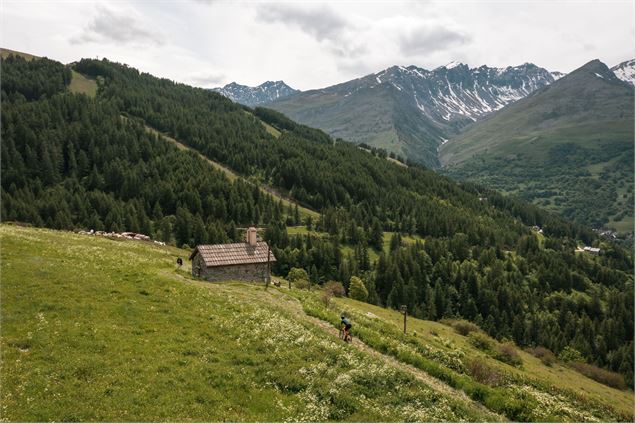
316	171
69	161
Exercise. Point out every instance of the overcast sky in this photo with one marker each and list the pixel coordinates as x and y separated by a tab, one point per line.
310	45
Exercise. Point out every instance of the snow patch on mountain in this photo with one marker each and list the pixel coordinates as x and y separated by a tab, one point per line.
455	92
252	96
557	75
625	71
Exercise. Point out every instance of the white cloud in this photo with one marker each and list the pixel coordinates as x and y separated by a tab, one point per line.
321	22
313	44
120	27
429	37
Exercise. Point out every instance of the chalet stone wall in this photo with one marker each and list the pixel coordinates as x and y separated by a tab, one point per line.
198	266
239	272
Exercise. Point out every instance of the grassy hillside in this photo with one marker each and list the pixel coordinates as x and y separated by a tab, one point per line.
376	117
82	85
98	329
567	148
95	329
5	52
88	168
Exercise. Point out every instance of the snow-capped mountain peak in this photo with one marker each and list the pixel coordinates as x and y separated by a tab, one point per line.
452	65
252	96
625	71
456	92
557	75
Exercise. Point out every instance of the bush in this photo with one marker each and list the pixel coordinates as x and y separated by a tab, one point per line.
336	288
462	327
326	297
296	274
484	373
481	341
507	353
612	379
301	284
544	354
569	354
357	290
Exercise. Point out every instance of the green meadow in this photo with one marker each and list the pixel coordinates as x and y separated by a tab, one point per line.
101	329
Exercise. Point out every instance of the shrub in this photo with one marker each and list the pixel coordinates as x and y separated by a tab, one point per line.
302	284
326	297
462	327
544	354
484	373
336	288
357	290
569	354
296	274
612	379
481	341
506	352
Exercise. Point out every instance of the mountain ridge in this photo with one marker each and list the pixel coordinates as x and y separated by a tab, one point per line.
266	92
625	71
410	110
579	127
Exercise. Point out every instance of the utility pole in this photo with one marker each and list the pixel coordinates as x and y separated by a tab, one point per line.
404	310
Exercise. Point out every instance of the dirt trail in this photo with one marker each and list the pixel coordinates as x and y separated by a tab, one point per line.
434	383
279	299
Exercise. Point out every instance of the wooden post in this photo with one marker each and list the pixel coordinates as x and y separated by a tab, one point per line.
268	266
404	309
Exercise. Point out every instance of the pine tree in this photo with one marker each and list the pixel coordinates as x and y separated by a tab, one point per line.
357	290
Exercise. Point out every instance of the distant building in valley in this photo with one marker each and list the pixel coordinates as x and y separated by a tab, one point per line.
592	250
245	261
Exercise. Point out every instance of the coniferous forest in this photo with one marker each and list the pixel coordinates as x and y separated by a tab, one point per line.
74	162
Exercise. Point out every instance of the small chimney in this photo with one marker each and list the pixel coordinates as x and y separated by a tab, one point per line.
251	236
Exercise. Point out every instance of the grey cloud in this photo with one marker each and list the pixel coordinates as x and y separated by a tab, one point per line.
206	80
118	28
321	23
428	38
356	67
588	47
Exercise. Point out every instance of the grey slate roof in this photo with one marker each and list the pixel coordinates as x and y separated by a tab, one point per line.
230	254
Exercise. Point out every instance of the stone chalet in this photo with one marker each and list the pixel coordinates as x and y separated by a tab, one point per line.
245	261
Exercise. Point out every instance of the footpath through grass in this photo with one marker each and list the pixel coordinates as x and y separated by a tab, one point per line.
518	393
98	329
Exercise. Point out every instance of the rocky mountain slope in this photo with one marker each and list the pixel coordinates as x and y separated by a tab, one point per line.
625	71
409	110
567	147
253	96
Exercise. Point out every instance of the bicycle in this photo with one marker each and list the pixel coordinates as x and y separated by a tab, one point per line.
345	335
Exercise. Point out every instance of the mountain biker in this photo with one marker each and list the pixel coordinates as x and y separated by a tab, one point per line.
346	326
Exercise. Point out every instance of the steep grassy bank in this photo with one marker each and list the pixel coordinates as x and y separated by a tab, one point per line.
95	329
98	329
